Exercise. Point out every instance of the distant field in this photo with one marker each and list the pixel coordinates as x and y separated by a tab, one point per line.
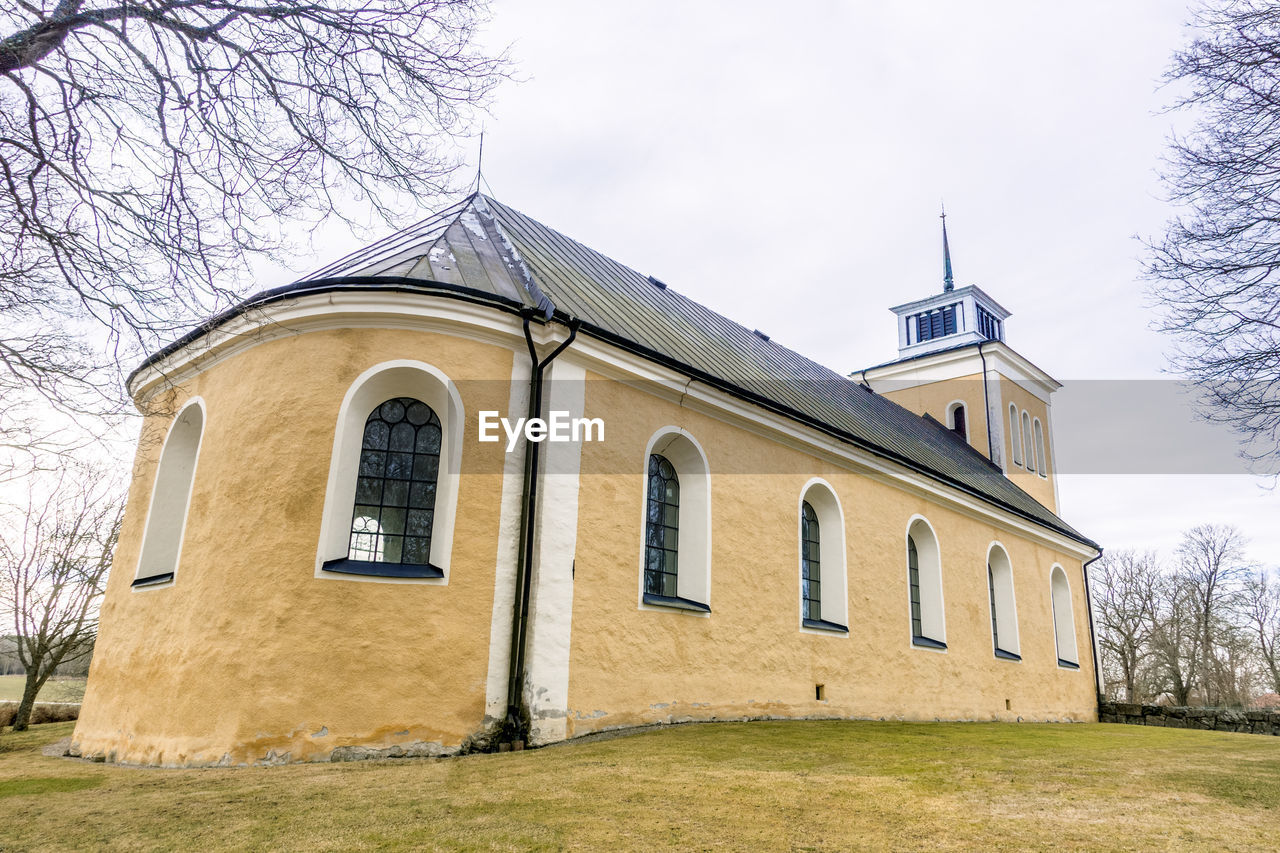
728	786
55	689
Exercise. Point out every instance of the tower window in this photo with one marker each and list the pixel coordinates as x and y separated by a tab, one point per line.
958	421
936	323
1015	435
989	325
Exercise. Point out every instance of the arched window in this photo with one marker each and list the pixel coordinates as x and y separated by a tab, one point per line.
824	596
1004	614
811	562
662	530
1027	446
957	420
396	486
1015	435
924	580
1039	438
675	562
1064	629
393	480
170	498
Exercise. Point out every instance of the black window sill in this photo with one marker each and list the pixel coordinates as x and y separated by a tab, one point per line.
824	625
153	580
1067	664
1003	655
927	643
675	603
372	569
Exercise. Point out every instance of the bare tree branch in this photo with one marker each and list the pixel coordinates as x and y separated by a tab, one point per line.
54	559
1217	266
148	149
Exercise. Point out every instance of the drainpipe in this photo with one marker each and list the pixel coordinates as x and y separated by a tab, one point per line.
1093	642
986	406
516	711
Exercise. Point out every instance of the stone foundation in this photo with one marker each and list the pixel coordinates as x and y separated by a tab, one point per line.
1207	719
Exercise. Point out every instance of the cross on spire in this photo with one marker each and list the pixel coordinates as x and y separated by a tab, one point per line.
948	280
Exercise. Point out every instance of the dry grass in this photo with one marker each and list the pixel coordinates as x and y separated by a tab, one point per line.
733	786
59	688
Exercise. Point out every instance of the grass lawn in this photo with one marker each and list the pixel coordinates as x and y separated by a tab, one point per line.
56	689
732	786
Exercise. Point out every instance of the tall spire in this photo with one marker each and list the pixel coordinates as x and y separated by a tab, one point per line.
948	280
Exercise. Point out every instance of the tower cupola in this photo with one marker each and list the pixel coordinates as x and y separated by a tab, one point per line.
952	318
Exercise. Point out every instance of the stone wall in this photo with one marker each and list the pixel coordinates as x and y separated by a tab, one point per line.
1209	719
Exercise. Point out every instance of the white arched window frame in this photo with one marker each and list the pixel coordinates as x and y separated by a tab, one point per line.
1004	607
693	580
1028	447
382	382
834	585
166	524
924	586
1064	624
958	418
1015	435
1039	439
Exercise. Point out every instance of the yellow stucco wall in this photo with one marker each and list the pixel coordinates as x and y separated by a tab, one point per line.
934	398
249	656
749	657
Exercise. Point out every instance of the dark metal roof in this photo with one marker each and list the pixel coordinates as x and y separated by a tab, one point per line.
484	248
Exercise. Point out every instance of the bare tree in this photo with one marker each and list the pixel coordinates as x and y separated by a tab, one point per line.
147	149
1126	583
1217	266
1175	638
53	568
1211	566
1262	608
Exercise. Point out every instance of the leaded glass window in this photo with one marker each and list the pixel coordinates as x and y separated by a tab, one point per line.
662	529
810	562
913	577
995	623
396	484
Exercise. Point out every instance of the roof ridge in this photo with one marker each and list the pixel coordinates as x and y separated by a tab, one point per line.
512	257
399	238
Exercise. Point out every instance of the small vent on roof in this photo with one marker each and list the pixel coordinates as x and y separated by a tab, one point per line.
661	285
761	335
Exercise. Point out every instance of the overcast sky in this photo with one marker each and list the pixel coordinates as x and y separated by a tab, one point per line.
784	163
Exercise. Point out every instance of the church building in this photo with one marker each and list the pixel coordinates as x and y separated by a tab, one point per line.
478	484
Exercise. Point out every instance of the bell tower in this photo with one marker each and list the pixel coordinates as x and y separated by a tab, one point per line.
955	365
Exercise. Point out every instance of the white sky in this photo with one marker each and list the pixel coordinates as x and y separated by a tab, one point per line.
783	163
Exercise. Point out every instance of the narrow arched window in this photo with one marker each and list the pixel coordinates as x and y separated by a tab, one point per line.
924	581
1027	444
913	580
1064	631
1004	619
662	529
958	421
170	498
396	485
1015	434
1039	431
995	621
811	562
